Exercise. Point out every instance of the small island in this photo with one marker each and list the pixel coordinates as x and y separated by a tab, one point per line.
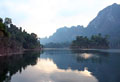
94	42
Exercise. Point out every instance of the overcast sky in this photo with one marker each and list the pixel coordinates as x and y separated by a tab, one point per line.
43	17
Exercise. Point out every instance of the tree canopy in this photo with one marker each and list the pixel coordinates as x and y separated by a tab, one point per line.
16	35
95	41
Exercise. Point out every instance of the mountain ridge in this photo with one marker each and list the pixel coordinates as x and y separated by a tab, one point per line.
107	22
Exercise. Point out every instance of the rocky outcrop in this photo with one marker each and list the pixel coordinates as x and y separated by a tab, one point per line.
8	47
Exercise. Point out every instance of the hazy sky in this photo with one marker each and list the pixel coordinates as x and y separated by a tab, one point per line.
43	17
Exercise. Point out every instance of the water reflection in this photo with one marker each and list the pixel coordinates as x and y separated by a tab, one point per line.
103	65
87	56
17	63
47	71
93	56
61	66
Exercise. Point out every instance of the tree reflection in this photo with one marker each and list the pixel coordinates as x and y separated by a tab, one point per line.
102	65
94	56
76	59
10	65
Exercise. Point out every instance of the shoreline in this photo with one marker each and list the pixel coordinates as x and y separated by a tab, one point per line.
19	52
101	50
25	50
11	53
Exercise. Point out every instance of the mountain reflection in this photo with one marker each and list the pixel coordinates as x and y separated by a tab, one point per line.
100	64
47	71
61	66
65	59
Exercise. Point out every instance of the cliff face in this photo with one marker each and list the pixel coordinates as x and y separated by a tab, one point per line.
109	16
107	22
1	33
8	46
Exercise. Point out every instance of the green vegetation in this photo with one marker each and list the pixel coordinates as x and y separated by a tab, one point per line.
28	41
13	39
96	41
3	30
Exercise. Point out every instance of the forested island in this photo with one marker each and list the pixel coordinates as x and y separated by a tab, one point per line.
13	39
97	41
94	42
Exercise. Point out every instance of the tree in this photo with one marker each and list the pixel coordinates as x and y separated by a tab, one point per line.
1	20
96	41
8	20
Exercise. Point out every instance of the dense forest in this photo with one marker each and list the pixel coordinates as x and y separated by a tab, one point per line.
95	41
14	39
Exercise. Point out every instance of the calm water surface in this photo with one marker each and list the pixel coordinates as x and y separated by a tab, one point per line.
62	66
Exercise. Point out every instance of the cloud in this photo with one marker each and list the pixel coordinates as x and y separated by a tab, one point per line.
45	16
47	71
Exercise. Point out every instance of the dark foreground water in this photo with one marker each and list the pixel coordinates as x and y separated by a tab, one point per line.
62	66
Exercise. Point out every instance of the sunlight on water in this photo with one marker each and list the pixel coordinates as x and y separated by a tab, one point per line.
87	56
47	71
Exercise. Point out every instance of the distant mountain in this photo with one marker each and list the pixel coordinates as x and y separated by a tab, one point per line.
107	22
64	34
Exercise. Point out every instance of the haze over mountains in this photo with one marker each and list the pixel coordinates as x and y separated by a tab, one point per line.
107	22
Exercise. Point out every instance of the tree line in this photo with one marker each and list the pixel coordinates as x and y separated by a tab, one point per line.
13	38
95	41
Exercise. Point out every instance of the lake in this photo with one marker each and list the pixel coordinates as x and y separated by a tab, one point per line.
62	66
